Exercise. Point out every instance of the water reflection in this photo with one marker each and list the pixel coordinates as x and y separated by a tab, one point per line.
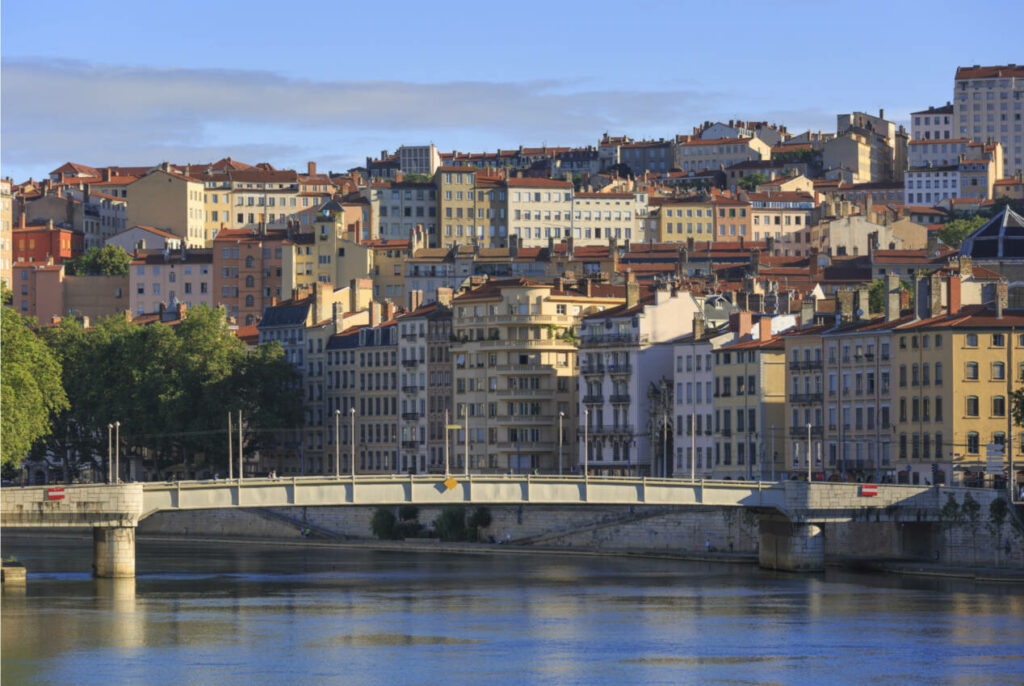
234	614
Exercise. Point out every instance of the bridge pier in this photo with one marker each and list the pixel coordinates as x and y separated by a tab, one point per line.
113	552
790	546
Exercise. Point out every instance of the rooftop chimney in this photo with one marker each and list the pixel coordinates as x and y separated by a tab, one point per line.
698	327
741	323
807	312
311	168
953	291
892	296
844	300
444	296
1001	298
632	290
764	328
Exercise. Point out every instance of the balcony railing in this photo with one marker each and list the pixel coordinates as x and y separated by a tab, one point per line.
725	432
408	336
801	431
804	365
591	369
410	416
411	389
411	445
593	400
410	363
611	430
620	398
620	368
805	397
613	339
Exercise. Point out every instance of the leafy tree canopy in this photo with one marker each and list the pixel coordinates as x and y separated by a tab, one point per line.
110	260
751	181
954	232
30	388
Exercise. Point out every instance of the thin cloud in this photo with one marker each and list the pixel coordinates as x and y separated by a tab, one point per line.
59	110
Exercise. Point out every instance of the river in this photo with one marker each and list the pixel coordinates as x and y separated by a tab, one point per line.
248	614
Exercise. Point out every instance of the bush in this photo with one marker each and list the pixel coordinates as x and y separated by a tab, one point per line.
384	524
451	524
480	519
408	513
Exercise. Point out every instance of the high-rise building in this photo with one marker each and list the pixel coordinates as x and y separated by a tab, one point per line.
988	105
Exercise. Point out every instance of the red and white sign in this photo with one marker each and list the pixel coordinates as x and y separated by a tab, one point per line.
867	490
55	494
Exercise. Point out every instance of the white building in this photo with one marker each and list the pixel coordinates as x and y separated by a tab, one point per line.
921	153
622	352
988	103
931	184
932	124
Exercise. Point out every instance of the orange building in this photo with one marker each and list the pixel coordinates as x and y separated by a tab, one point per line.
42	242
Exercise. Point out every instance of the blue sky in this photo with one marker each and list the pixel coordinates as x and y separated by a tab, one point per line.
138	83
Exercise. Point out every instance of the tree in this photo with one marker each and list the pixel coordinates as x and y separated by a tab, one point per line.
752	181
954	232
110	260
384	524
451	524
877	295
30	388
417	178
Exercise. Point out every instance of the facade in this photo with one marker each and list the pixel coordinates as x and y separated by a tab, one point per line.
514	368
46	243
456	205
786	216
247	272
694	380
697	155
641	156
418	159
144	238
680	219
596	217
539	210
987	105
45	292
164	278
6	233
622	352
403	206
170	201
932	124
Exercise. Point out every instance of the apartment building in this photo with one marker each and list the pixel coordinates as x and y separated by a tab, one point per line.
700	154
171	201
694	380
679	219
732	218
45	243
988	104
247	272
596	217
418	159
932	124
403	206
425	379
539	210
655	156
514	368
749	398
456	204
786	216
622	352
165	278
6	233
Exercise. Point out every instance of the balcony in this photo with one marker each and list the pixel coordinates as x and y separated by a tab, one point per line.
620	368
410	416
613	339
525	419
593	400
524	392
411	445
411	389
410	363
805	397
805	365
617	429
725	432
801	431
409	336
591	369
619	398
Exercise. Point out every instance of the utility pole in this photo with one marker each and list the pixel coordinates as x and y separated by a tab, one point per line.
231	459
466	429
446	443
110	453
772	458
810	459
586	442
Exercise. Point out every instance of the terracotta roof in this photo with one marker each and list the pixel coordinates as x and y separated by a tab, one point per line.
538	183
717	141
979	72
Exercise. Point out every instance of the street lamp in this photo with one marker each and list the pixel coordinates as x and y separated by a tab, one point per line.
110	453
117	452
352	457
465	428
337	443
809	458
693	447
446	428
586	441
561	416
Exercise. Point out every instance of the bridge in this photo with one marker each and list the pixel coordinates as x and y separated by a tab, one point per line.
790	512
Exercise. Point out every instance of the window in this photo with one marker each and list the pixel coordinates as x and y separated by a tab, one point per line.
972	370
998	370
971	407
999	406
971	340
998	340
972	442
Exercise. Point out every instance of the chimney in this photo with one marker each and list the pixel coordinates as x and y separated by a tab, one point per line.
862	306
741	323
922	298
444	296
374	314
311	168
892	296
764	328
632	290
953	293
415	300
844	299
935	286
388	311
106	174
966	267
1001	298
698	327
807	312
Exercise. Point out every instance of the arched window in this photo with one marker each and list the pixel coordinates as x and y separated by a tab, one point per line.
249	261
249	319
249	282
249	302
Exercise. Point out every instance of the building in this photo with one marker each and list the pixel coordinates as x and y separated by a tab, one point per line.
680	219
596	217
786	216
6	233
247	272
44	291
145	238
539	210
623	351
171	201
932	124
403	206
641	156
698	154
694	379
514	369
987	106
163	278
425	381
418	159
45	243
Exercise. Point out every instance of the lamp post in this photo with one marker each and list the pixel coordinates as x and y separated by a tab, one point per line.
117	452
810	460
772	458
446	442
586	442
465	428
561	416
352	438
231	462
337	443
693	447
240	463
110	453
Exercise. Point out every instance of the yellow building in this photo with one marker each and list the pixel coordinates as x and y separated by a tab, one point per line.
955	377
514	368
6	233
683	218
456	202
750	385
170	201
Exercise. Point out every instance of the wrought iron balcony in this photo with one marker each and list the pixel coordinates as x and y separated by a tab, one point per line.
801	431
805	397
619	398
410	363
593	400
410	416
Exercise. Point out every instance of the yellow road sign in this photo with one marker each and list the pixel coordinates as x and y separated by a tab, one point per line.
450	483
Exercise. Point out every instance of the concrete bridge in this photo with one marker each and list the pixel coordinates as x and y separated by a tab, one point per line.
790	513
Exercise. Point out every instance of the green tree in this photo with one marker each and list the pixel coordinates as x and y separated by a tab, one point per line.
876	295
384	524
751	182
954	232
30	388
451	524
417	178
110	260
